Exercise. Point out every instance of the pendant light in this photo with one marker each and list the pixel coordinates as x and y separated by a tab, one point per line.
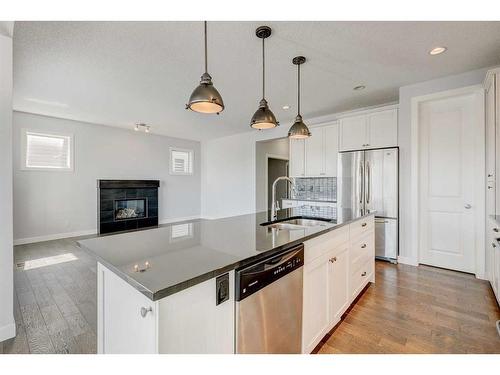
205	98
299	130
263	118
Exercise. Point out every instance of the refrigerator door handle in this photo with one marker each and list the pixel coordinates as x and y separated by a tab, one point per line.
361	183
368	182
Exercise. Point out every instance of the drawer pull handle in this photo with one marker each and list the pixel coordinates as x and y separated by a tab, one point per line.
363	274
363	225
334	259
363	246
495	230
144	311
493	244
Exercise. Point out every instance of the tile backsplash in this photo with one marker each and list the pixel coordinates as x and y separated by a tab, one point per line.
315	188
325	212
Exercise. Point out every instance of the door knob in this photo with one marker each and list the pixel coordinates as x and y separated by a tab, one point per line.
467	206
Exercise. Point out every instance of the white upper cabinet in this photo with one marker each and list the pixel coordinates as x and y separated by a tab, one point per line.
382	129
315	156
315	153
376	129
352	133
297	158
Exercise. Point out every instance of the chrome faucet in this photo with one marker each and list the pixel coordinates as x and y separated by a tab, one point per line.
274	204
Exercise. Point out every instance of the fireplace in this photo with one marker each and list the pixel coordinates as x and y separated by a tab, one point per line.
127	205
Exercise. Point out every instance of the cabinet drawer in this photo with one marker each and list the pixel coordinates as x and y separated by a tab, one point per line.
319	246
361	276
362	250
360	227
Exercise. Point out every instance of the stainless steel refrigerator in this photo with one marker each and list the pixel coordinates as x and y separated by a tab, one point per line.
367	182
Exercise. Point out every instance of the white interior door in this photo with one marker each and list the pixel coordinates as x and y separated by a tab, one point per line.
447	149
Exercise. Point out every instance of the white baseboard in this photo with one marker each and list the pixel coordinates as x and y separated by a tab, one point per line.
408	260
8	331
178	219
56	236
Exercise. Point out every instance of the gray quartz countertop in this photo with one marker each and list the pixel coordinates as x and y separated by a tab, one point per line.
184	254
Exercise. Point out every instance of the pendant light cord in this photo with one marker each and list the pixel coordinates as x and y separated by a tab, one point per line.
206	55
263	70
298	89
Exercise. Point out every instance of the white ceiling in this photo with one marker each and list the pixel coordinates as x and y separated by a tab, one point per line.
120	73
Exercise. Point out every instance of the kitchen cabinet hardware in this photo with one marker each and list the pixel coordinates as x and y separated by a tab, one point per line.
363	225
332	260
363	246
144	311
363	274
493	244
495	230
467	206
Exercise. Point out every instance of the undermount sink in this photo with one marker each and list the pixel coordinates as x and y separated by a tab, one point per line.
298	224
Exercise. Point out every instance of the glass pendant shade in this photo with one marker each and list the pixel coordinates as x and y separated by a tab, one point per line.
205	97
263	118
299	130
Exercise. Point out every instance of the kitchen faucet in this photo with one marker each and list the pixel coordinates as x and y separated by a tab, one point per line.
274	204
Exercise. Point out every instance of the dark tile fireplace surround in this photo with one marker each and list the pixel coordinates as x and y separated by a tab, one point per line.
127	204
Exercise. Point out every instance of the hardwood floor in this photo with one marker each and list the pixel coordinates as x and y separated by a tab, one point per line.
419	310
55	297
408	310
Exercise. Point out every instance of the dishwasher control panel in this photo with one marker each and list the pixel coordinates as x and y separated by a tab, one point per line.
255	277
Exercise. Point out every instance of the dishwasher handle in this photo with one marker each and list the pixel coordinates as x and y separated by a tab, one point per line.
253	278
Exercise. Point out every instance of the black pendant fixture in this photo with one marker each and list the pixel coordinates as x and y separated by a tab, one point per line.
299	130
205	98
263	118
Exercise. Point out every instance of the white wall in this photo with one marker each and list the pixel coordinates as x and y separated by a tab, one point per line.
7	325
263	149
51	204
408	253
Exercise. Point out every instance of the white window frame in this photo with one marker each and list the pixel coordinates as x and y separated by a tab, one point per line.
24	150
171	164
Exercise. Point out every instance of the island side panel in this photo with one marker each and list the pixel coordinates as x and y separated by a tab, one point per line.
190	321
127	320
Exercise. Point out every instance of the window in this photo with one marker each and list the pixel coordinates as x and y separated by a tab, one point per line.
181	231
181	161
42	151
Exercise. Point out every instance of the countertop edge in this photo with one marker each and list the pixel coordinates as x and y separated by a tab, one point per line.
173	289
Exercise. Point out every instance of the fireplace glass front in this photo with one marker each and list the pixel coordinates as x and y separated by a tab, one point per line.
130	209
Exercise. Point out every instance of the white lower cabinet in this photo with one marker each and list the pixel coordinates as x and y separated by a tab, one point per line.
337	267
185	322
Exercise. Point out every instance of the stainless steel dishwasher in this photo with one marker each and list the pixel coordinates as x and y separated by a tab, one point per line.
269	304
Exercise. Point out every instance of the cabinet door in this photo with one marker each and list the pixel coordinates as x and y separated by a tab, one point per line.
331	150
382	129
353	133
122	328
338	280
316	309
297	157
314	153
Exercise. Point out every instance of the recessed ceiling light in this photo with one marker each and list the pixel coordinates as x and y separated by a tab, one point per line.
286	107
437	50
360	87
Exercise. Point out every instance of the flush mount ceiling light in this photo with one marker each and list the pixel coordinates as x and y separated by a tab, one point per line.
359	88
145	128
437	51
205	98
299	130
263	118
286	107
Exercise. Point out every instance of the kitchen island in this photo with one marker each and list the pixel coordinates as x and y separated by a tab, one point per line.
171	289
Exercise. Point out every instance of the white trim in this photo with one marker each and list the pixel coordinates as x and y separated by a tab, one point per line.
8	331
178	219
55	236
407	260
413	225
71	141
